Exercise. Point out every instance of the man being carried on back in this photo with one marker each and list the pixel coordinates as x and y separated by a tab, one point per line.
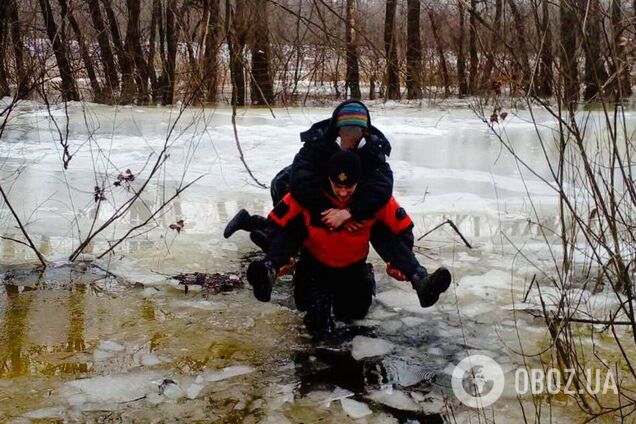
332	271
349	128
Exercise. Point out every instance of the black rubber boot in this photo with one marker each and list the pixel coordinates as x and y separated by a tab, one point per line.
261	275
430	286
241	221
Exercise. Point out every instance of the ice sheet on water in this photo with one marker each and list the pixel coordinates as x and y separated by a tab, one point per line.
325	398
413	321
118	388
225	373
193	390
355	409
364	347
110	346
397	298
394	399
46	413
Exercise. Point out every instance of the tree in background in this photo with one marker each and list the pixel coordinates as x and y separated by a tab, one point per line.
390	49
413	51
352	79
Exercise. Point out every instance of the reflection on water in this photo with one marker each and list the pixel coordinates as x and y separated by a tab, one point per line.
22	324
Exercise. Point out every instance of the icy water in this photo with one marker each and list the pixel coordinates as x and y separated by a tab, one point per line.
122	341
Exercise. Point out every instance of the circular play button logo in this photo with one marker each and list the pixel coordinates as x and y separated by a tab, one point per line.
478	381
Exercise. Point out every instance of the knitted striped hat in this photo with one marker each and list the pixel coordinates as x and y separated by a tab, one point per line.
352	114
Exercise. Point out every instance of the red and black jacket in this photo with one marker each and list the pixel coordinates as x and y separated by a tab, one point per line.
340	248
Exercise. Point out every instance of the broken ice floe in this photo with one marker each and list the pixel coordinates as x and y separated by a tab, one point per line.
106	389
225	373
364	347
394	399
325	398
355	409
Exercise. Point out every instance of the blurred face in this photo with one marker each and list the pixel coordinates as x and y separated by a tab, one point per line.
342	192
349	137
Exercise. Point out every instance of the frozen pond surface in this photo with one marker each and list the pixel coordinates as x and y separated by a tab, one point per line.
79	346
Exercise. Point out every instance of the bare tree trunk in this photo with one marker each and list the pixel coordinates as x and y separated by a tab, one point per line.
156	23
134	52
352	83
413	51
4	82
440	52
235	50
86	57
547	52
21	77
485	82
595	74
212	40
522	48
390	48
171	53
262	88
105	51
472	49
69	91
568	50
621	63
125	61
461	61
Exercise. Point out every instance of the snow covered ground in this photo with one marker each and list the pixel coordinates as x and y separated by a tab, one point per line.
155	347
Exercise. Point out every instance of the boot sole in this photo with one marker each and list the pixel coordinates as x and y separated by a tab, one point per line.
439	284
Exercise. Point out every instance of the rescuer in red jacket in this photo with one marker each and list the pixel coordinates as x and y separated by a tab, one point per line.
332	271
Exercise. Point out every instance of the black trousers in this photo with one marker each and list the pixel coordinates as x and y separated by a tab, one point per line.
320	289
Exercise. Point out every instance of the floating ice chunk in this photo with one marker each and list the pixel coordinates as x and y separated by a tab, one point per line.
110	346
394	399
325	398
392	326
355	409
170	389
380	314
363	347
149	360
397	298
194	390
121	388
206	305
278	395
225	373
100	355
413	321
46	413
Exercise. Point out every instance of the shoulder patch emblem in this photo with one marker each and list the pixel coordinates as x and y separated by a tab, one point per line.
400	214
